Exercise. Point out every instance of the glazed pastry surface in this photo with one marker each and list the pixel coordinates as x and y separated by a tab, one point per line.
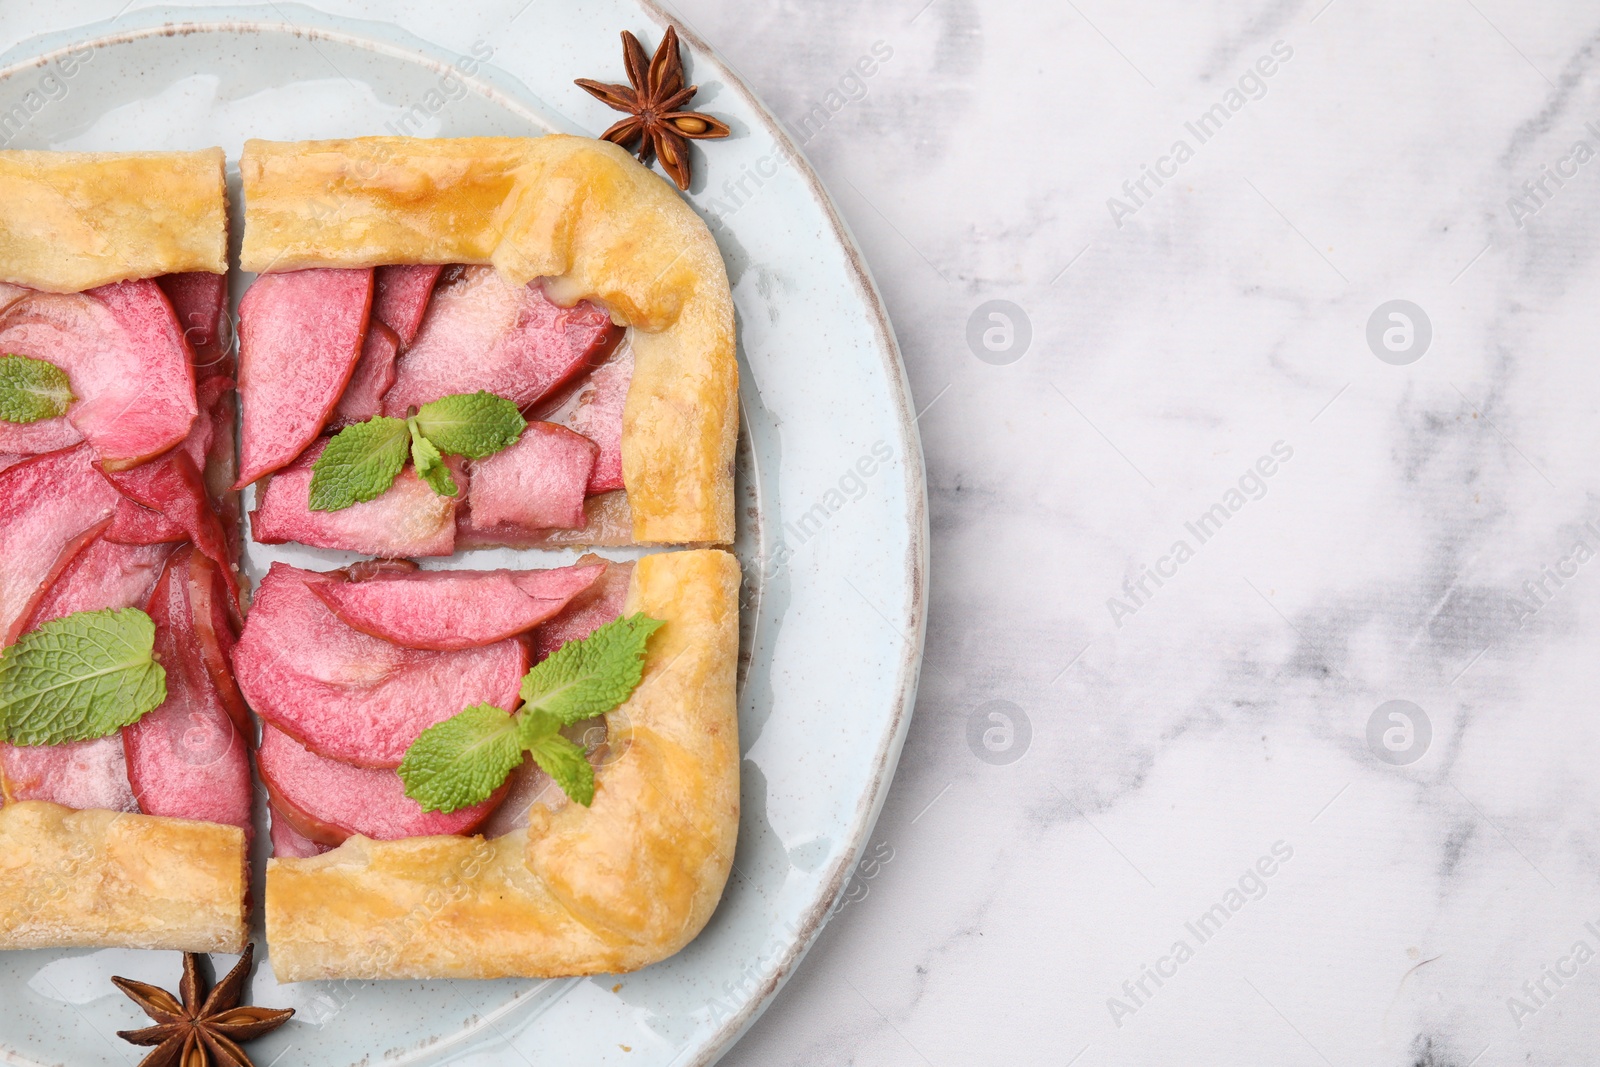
71	221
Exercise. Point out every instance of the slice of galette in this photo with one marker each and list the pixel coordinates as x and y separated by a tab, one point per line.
124	769
482	774
476	342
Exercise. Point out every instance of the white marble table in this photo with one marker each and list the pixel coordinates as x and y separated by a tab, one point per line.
1217	512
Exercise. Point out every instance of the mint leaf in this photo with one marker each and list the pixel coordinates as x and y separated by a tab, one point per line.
83	676
360	463
567	765
463	760
32	389
590	677
474	425
429	463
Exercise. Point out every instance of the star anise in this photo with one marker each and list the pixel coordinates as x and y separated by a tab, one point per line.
656	124
196	1033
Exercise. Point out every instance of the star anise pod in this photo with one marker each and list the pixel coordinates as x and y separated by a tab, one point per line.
195	1032
656	125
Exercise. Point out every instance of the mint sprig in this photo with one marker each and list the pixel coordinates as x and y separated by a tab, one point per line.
582	679
359	464
80	677
32	389
362	461
474	425
463	760
567	765
425	456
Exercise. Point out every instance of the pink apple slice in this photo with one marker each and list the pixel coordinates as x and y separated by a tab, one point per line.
328	801
11	294
350	696
212	611
200	302
598	416
46	435
150	403
608	523
34	438
410	519
527	786
122	349
300	335
601	603
483	333
186	759
402	299
172	486
206	439
104	576
86	774
374	374
197	446
450	610
79	774
221	458
537	484
51	506
135	524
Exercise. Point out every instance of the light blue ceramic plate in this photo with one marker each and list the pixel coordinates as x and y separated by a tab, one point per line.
832	507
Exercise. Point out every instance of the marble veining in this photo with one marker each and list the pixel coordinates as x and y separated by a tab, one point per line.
1116	738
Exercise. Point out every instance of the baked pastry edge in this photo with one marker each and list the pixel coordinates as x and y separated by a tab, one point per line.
113	879
580	213
71	221
605	889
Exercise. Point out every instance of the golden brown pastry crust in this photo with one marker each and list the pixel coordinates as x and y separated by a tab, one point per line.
605	889
579	212
71	221
104	878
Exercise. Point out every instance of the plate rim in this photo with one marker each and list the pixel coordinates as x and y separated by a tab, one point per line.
870	805
710	1048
